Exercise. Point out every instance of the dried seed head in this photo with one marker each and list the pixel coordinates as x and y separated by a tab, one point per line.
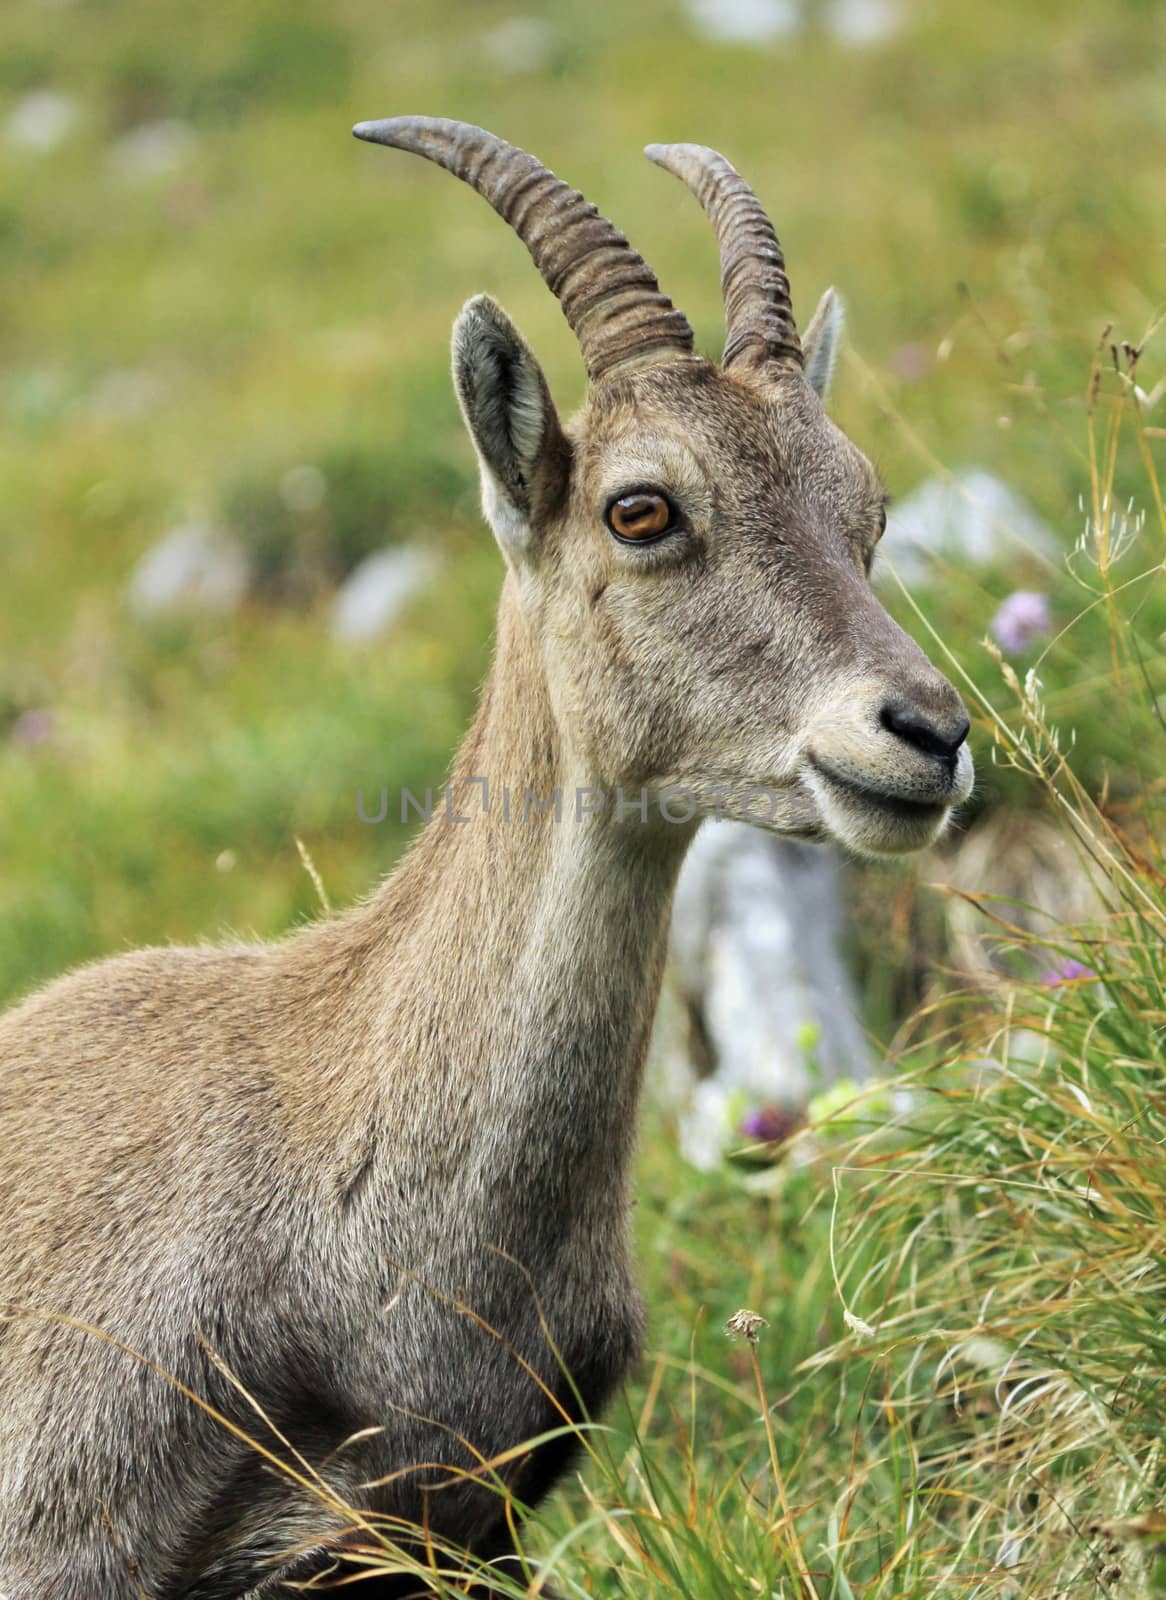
745	1325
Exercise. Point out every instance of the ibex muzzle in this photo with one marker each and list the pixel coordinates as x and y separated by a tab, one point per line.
281	1174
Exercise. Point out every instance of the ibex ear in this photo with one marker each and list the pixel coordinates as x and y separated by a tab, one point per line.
820	342
512	420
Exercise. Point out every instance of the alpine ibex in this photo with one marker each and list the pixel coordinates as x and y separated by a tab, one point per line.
293	1169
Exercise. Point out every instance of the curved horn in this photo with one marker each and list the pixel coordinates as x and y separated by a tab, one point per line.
608	293
759	316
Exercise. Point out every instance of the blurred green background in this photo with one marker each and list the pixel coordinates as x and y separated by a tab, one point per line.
208	286
218	311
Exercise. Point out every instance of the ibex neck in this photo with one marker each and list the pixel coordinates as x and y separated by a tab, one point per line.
526	946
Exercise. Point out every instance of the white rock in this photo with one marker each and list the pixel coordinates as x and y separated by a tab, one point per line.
521	44
746	21
377	590
863	22
756	960
972	520
193	568
42	120
153	149
705	1126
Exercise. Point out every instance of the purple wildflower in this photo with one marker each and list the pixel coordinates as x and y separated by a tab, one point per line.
770	1123
911	362
1023	617
1067	970
33	728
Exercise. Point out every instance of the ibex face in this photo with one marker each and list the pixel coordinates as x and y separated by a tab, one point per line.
692	552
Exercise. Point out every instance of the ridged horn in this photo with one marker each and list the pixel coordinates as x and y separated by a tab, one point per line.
608	293
759	316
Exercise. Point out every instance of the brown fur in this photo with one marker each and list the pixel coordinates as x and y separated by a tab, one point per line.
311	1156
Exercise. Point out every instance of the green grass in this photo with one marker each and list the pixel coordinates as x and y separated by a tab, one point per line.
988	186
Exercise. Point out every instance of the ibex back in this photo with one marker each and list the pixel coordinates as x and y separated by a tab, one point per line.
280	1174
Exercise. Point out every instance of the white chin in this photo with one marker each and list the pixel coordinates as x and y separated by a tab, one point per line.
791	811
877	825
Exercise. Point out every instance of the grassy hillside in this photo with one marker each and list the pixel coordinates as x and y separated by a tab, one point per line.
206	284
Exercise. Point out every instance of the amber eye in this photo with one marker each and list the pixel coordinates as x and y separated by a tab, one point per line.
639	516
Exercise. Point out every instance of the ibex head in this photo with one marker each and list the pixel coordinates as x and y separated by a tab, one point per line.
691	553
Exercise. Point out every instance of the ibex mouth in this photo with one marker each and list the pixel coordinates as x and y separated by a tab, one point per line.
897	804
874	821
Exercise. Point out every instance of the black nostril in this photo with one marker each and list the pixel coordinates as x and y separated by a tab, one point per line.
941	739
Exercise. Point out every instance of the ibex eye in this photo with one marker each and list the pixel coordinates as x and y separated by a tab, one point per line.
636	517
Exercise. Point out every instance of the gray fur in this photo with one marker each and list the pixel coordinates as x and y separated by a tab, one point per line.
357	1168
